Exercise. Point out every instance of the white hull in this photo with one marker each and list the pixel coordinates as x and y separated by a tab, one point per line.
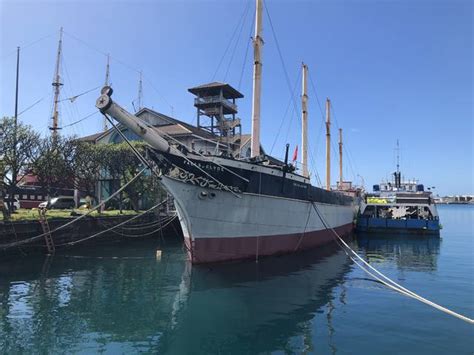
219	225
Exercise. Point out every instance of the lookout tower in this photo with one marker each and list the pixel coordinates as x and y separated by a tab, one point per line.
216	109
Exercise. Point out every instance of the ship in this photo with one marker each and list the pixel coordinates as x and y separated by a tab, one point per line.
232	207
399	206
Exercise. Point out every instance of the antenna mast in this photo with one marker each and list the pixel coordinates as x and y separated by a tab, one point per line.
57	87
304	122
107	83
328	144
398	157
140	92
340	158
257	79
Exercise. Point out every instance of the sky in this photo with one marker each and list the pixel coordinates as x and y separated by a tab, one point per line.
395	69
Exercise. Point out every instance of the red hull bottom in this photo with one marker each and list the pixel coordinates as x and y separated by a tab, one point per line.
209	250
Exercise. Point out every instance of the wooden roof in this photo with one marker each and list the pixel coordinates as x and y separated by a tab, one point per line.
214	88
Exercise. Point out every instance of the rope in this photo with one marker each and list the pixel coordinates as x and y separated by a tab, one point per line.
145	234
144	161
384	279
231	40
284	116
237	40
304	231
288	83
31	106
24	241
26	46
140	157
73	98
295	106
109	229
246	52
82	119
202	156
141	226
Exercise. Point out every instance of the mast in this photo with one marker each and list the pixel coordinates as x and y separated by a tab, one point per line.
398	180
140	92
340	158
304	121
107	77
328	144
257	78
57	87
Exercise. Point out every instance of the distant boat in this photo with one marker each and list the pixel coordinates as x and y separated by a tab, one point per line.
399	206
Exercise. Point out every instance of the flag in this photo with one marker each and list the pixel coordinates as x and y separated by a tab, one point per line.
295	154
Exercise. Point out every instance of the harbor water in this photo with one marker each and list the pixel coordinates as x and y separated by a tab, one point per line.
127	298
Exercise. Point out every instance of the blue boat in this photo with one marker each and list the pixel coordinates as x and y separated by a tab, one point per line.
398	207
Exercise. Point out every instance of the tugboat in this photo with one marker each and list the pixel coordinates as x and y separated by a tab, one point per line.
398	207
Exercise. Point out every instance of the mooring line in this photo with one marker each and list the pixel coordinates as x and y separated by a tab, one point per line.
143	160
385	279
144	234
24	241
113	227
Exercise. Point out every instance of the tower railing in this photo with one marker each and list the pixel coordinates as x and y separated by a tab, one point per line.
214	99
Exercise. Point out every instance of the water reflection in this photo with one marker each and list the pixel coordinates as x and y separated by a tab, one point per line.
126	300
416	253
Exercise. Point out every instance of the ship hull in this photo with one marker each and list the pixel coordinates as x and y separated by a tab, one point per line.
222	226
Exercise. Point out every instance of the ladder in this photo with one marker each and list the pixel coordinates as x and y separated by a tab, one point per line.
48	238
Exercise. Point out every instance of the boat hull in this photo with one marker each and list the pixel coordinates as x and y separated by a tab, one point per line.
221	226
402	226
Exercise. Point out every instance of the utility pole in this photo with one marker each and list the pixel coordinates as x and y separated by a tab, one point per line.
140	92
328	144
16	89
257	81
340	158
107	83
57	87
15	136
304	121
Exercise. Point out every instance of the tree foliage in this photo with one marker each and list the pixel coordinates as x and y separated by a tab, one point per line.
19	149
66	162
122	165
89	166
54	167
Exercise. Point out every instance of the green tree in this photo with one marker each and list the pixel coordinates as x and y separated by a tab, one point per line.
19	150
122	165
54	167
89	163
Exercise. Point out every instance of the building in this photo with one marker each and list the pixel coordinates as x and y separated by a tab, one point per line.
218	129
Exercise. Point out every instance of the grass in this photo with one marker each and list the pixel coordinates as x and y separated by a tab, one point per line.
24	214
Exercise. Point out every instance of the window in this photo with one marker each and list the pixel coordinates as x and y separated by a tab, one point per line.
24	197
40	197
32	197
